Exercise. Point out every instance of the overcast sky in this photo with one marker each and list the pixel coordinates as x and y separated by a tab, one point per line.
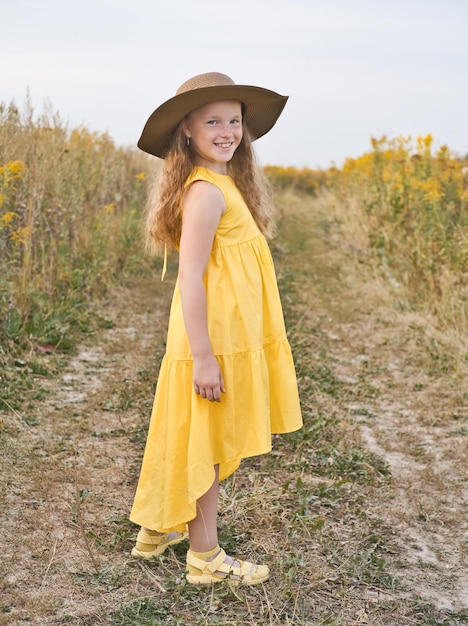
353	68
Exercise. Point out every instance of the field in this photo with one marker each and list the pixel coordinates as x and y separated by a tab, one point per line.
361	515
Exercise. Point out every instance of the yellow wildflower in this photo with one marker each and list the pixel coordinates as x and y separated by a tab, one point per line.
428	139
8	217
12	170
424	143
16	168
140	176
109	208
431	188
21	235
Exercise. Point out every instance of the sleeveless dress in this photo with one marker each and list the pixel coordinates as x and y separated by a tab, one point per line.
188	435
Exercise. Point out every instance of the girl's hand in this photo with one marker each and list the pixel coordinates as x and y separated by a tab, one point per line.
207	378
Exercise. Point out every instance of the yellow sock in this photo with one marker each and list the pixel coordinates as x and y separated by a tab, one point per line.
203	556
154	540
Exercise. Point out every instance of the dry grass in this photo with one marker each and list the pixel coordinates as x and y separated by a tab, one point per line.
70	223
360	515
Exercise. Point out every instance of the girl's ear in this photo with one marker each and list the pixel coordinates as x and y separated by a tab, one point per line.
185	129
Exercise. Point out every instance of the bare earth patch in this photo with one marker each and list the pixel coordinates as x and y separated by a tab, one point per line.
67	477
414	420
349	544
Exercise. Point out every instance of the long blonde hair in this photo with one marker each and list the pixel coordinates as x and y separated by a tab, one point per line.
163	208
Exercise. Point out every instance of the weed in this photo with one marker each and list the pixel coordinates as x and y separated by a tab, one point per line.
143	612
423	611
69	223
410	202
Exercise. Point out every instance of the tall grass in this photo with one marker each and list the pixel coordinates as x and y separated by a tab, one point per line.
404	203
70	219
410	202
70	203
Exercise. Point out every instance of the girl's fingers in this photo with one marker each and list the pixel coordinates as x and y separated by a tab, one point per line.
208	380
213	394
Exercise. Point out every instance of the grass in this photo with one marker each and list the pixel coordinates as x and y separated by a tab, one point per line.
315	507
358	513
315	489
70	214
405	203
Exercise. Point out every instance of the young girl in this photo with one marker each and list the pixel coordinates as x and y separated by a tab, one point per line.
227	380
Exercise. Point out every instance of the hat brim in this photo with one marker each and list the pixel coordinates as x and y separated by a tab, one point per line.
262	109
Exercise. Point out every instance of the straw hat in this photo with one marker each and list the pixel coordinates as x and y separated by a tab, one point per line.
262	108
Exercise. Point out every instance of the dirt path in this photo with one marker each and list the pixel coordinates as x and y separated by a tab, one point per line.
412	415
72	491
409	400
70	461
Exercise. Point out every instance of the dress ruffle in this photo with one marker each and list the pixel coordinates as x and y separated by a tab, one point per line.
181	452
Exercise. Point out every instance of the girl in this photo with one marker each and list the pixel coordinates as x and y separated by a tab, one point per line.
227	380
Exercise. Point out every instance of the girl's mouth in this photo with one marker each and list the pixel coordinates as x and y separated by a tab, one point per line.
224	145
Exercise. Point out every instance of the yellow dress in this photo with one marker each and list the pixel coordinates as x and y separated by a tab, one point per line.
188	435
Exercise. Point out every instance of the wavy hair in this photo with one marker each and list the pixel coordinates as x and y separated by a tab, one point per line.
163	207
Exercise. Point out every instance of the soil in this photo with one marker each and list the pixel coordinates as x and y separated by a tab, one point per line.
71	458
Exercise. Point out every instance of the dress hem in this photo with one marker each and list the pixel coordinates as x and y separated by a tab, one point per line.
180	525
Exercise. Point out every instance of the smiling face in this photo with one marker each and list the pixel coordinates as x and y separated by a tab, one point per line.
215	131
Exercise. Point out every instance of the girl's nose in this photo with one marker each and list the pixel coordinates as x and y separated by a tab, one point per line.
226	130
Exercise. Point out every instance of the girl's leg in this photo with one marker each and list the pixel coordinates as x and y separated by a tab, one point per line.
203	530
204	548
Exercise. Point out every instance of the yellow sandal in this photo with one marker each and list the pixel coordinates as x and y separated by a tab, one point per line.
203	572
150	543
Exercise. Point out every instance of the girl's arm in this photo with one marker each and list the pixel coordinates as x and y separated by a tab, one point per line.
203	207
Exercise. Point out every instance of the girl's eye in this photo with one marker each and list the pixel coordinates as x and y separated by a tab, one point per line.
214	122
